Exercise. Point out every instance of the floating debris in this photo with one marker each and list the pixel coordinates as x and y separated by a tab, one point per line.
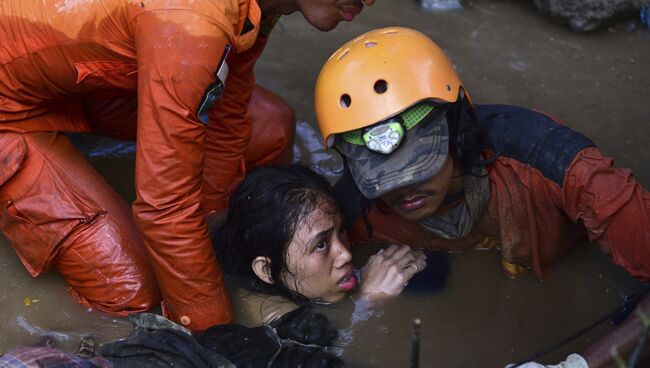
27	301
440	5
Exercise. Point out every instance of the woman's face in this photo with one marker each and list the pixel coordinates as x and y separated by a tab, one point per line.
318	260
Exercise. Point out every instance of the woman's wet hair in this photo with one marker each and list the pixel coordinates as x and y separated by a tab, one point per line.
264	214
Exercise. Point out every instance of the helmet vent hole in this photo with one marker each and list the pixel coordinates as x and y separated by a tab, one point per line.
381	86
345	101
448	88
344	54
390	31
371	44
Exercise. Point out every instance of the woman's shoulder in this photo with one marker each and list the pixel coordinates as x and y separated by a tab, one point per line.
254	309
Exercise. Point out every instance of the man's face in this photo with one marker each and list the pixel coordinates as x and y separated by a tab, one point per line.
418	201
326	14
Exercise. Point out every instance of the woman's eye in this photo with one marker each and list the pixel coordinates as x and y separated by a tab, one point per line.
322	245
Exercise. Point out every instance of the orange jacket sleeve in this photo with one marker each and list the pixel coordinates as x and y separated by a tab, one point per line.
178	52
229	130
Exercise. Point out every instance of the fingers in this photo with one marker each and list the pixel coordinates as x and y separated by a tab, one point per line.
419	255
414	268
388	252
396	251
403	255
404	260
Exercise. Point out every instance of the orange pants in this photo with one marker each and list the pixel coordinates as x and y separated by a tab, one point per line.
58	212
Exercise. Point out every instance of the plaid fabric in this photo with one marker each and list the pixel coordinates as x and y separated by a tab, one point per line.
37	357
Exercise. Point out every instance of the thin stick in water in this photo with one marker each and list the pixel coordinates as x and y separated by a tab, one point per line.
415	344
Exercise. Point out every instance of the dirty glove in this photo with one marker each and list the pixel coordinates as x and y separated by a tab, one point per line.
305	326
572	361
262	347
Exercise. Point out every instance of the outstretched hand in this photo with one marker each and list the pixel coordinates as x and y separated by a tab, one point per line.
389	270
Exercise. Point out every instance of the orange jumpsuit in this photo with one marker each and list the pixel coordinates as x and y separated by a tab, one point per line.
101	66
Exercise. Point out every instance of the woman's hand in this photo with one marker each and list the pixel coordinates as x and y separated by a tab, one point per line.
387	272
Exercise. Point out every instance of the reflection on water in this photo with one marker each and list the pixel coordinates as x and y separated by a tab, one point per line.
35	330
505	53
363	311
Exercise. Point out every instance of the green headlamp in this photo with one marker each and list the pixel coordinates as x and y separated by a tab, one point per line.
387	135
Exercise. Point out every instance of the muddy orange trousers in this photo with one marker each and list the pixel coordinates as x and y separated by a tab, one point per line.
58	213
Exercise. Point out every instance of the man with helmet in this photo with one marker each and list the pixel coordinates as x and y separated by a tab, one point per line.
153	71
427	167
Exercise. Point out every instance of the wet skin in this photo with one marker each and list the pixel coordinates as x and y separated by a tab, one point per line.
318	259
420	200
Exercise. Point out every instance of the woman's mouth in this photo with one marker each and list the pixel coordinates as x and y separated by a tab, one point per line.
348	282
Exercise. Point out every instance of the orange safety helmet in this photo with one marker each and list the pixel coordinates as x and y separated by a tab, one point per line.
378	75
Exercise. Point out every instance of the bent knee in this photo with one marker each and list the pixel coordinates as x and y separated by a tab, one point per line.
265	103
119	297
106	268
127	300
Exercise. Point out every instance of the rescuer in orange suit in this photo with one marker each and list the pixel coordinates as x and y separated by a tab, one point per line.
181	69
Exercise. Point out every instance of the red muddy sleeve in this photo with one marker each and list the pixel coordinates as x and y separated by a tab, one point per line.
229	130
613	207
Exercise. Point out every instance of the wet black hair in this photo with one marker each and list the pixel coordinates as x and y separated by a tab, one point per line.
466	139
263	216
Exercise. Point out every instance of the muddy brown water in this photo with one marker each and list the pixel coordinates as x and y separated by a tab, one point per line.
505	53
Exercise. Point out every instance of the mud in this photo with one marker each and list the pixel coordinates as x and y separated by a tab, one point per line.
505	52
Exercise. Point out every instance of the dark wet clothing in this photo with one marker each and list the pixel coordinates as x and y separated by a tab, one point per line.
550	189
159	342
296	340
